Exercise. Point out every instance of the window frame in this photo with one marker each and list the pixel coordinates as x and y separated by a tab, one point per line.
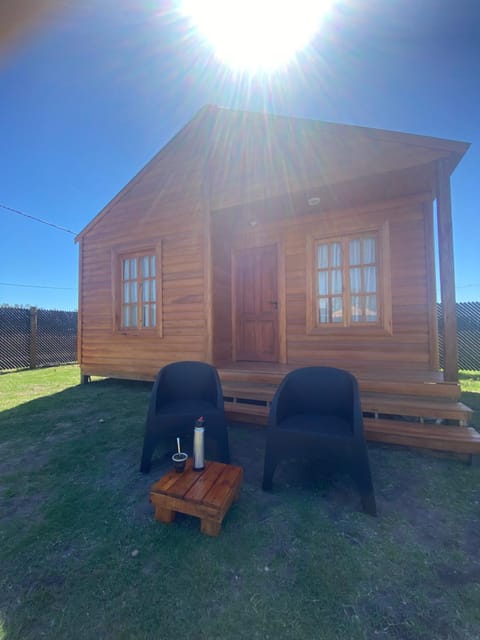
125	252
383	325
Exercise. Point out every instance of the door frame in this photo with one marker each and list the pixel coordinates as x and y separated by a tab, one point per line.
281	297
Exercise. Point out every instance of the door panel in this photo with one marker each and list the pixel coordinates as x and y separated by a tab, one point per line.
256	304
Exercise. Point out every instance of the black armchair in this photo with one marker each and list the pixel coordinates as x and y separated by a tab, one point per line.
316	414
184	391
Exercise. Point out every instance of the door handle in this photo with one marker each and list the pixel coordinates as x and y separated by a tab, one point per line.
275	303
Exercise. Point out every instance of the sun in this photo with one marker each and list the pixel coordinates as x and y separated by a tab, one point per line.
257	35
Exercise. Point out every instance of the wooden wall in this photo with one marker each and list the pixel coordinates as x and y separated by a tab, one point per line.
163	206
408	346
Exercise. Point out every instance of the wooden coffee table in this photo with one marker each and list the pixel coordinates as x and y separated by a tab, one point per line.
205	494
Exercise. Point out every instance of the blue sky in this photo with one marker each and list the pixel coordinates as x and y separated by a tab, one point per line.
92	95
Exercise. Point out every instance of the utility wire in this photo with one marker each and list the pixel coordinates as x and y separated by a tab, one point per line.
26	215
35	286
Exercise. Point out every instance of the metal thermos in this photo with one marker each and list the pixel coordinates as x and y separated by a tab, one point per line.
199	445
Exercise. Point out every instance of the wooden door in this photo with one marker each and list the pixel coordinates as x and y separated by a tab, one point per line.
256	304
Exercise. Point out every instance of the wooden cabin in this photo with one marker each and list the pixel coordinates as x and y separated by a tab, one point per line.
264	243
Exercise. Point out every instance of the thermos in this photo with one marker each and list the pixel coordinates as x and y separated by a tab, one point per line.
199	445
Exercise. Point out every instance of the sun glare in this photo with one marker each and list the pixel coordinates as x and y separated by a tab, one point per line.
257	35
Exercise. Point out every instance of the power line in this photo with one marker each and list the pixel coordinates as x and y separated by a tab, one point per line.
35	286
26	215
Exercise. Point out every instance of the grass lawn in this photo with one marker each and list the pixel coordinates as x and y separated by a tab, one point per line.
81	555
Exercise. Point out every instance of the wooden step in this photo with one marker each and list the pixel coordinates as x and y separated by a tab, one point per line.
446	390
455	439
249	391
434	408
251	376
243	412
413	386
416	407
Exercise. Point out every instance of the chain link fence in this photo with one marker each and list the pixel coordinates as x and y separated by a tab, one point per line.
468	335
31	338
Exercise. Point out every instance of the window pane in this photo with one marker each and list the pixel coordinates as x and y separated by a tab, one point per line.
322	256
336	281
323	308
133	316
369	250
126	297
133	268
133	291
145	266
129	316
336	254
371	309
356	280
354	249
337	309
323	283
152	266
145	315
370	275
146	291
126	269
356	311
153	315
153	291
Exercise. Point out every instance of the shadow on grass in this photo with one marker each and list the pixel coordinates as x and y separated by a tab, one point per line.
81	555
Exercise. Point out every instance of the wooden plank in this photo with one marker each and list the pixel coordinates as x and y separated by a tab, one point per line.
176	484
207	248
246	409
222	490
431	286
465	440
169	479
206	480
446	264
419	407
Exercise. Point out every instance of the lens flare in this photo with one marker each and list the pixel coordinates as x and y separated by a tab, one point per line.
256	35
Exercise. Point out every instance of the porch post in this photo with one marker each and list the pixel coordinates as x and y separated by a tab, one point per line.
209	123
447	272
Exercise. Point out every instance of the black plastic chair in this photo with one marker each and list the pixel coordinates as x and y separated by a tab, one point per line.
184	391
316	415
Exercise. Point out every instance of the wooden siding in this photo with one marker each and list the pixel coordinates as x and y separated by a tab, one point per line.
408	344
159	209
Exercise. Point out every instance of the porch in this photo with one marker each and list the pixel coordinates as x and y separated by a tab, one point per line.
410	408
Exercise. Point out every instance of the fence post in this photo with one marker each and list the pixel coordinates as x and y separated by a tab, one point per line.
33	337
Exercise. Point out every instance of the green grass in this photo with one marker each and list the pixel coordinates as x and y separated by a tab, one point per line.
470	381
81	555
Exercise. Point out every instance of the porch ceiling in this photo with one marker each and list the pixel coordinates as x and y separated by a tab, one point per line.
268	204
255	157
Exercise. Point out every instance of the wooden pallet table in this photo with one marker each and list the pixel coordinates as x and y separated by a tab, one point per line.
205	494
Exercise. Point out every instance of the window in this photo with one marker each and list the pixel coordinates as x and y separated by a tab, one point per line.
348	282
138	291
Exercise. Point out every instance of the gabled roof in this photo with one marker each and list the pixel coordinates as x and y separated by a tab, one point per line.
259	153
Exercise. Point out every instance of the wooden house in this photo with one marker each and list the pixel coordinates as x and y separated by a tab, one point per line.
263	243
